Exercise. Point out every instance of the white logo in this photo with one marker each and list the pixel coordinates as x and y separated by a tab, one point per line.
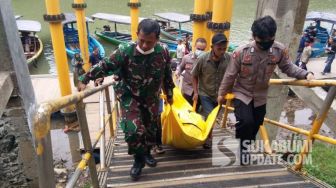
225	151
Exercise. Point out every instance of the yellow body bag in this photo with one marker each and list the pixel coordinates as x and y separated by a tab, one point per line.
182	127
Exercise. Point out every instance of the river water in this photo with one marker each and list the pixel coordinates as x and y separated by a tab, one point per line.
243	16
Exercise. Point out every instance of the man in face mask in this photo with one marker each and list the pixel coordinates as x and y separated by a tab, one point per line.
247	77
143	69
185	69
207	73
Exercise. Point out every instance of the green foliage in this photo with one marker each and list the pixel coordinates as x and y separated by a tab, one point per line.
323	164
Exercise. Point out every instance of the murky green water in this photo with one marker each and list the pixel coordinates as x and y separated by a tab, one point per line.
243	15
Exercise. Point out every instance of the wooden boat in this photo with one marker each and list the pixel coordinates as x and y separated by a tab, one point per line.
115	37
174	33
71	36
322	34
32	45
170	31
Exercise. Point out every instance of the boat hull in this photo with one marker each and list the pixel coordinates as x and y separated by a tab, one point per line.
117	38
35	54
174	34
114	38
73	48
71	40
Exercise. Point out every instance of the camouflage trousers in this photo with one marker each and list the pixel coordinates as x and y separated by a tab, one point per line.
139	123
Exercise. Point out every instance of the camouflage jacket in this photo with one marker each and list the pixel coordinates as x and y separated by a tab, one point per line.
139	75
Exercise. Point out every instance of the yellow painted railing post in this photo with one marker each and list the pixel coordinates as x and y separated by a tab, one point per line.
110	110
134	5
316	126
310	83
264	136
54	17
194	105
228	98
207	31
199	20
221	17
228	9
79	7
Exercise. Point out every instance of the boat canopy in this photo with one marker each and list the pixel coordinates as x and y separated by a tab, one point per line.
115	18
70	18
322	16
28	25
174	17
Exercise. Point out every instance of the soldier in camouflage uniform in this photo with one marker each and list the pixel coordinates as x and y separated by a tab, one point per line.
142	68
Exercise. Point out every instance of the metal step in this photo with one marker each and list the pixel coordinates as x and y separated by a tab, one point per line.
195	168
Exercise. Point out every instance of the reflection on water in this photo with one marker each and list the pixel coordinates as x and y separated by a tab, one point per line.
65	147
297	114
46	63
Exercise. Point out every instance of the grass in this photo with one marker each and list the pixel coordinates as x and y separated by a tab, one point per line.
323	164
87	185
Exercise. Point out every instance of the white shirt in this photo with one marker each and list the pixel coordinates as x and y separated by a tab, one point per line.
307	51
180	50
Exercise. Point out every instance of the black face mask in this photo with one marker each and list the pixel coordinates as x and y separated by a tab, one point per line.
265	45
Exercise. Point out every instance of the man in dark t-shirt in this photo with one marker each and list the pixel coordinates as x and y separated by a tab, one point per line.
95	57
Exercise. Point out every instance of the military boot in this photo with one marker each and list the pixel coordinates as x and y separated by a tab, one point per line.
137	167
149	159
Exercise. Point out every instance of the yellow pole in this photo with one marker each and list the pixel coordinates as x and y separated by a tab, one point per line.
198	25
308	142
207	31
57	37
222	13
228	98
218	14
194	105
228	9
321	116
264	136
134	5
79	7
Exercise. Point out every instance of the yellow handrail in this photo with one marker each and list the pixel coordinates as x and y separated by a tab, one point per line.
41	128
313	133
44	110
311	83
